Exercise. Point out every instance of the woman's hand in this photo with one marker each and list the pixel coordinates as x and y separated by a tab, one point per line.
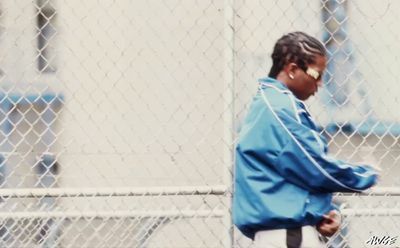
330	224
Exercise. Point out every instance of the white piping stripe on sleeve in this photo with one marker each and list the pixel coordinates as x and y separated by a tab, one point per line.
324	172
321	144
316	135
366	174
341	166
296	112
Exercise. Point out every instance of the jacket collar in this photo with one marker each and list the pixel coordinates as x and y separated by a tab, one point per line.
274	83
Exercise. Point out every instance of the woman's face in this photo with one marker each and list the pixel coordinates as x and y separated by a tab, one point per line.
307	82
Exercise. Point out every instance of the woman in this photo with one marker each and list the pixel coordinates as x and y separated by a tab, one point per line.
284	178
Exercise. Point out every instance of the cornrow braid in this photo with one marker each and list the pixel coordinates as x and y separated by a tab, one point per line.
295	47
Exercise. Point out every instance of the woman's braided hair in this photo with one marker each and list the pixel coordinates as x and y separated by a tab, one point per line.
295	47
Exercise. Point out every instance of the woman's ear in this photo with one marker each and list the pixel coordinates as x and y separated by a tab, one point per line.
290	70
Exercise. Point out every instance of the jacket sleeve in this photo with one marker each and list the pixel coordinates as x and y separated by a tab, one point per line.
304	161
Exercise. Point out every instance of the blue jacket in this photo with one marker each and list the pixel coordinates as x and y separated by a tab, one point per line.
284	177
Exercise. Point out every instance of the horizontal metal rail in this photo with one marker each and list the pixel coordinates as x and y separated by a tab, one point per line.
382	191
172	214
158	191
110	191
153	191
371	212
216	213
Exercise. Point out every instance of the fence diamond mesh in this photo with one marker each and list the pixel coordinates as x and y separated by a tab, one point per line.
118	119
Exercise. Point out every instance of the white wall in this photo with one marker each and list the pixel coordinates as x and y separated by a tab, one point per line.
143	85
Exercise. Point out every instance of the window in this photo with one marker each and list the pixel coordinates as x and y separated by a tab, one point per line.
46	32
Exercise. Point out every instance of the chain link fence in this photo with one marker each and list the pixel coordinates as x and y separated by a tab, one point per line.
118	118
